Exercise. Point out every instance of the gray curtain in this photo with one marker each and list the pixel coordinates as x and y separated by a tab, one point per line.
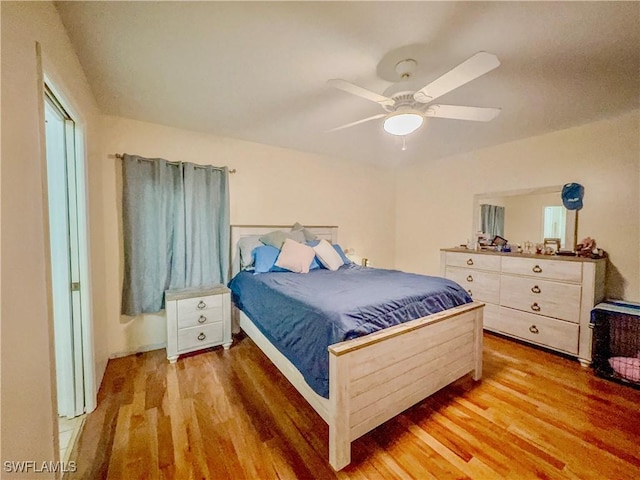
492	220
207	225
152	214
176	229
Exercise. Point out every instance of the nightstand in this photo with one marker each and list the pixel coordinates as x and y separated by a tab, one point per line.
197	318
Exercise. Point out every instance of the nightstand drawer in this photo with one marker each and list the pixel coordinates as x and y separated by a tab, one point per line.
204	317
191	306
199	337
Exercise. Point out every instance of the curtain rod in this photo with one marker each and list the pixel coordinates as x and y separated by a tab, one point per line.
120	156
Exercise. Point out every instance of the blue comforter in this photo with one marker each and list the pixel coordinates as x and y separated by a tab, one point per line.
302	314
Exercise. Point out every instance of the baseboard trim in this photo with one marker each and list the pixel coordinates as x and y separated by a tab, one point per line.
142	349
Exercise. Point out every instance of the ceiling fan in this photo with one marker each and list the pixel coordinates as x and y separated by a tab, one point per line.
407	107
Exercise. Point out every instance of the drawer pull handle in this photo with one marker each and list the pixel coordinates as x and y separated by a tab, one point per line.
534	329
202	319
469	278
470	293
535	307
537	269
470	261
202	336
202	305
536	289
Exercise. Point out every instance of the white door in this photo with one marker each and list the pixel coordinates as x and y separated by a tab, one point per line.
65	258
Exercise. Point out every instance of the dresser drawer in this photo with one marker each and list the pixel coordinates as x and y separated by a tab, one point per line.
482	286
543	268
533	295
195	338
473	260
548	332
190	306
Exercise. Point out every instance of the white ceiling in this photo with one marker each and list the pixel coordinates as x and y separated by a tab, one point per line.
257	71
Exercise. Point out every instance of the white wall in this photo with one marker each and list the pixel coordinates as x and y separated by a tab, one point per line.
272	186
435	199
28	381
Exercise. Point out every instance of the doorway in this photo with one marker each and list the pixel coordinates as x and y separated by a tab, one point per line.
66	209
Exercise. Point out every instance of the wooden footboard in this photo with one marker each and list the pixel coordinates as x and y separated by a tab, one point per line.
373	378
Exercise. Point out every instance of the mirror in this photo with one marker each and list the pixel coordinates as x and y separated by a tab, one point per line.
526	215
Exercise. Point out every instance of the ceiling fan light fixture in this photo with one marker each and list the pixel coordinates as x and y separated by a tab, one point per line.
403	122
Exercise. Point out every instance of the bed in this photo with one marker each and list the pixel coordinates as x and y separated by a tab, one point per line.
373	377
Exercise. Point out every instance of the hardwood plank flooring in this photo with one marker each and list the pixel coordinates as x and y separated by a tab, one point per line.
231	415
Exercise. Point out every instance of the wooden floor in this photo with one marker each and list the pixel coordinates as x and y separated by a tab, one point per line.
231	415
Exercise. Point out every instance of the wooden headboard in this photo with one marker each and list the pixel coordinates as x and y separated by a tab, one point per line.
329	233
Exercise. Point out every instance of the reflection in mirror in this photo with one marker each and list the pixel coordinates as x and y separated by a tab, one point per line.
555	221
527	215
492	220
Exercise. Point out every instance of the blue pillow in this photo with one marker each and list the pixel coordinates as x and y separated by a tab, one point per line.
345	259
315	263
265	258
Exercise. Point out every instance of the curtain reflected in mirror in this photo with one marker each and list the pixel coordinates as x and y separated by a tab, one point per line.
555	221
492	220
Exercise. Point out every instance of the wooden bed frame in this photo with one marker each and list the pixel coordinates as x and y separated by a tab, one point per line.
375	377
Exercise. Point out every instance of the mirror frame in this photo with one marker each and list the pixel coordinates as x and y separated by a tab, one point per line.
572	215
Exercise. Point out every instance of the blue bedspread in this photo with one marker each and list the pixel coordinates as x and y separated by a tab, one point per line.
302	314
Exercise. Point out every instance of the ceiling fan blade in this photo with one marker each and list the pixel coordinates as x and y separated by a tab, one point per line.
478	114
358	122
359	91
470	69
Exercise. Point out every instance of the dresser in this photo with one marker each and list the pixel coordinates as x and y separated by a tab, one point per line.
544	300
197	318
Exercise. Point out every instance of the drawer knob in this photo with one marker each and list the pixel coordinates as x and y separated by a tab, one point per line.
470	261
535	307
469	278
535	289
537	269
202	336
201	305
470	293
202	319
534	329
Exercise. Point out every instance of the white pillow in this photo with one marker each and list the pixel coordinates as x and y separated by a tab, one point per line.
328	256
295	256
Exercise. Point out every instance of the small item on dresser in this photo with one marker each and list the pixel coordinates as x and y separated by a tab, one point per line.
539	248
587	248
551	246
499	241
